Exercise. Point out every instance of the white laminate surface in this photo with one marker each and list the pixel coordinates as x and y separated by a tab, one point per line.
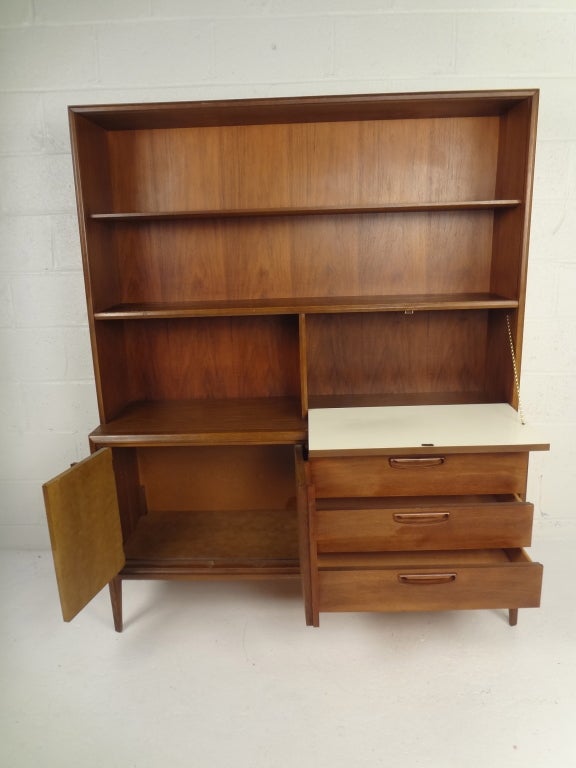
415	427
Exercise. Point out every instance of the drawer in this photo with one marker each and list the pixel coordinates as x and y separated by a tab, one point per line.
451	522
501	578
389	475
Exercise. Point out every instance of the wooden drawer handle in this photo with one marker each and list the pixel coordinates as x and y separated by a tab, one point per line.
413	463
426	578
421	518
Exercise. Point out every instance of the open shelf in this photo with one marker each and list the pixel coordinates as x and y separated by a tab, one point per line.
328	210
239	542
260	421
308	305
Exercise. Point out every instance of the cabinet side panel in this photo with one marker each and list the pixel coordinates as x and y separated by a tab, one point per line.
499	373
119	382
511	238
512	227
93	193
131	496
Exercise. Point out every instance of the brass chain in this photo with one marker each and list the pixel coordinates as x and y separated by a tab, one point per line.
515	368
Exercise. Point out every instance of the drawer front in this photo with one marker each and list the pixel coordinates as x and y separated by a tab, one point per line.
458	474
506	585
450	525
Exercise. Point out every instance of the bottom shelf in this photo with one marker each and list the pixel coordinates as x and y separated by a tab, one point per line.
428	581
249	543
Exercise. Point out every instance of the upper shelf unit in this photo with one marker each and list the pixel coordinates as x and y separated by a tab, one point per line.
292	199
354	166
208	227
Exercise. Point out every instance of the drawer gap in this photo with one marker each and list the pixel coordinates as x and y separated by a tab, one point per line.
401	502
441	559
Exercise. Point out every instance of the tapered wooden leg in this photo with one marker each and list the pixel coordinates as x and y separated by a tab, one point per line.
303	534
115	587
513	616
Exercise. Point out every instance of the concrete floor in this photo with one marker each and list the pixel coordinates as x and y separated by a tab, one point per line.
227	674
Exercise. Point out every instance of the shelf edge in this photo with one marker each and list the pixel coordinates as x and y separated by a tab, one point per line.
407	207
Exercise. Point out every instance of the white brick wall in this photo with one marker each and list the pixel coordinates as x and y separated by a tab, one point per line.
59	52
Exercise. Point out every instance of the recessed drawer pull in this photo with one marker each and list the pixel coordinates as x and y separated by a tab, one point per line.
421	518
426	578
409	462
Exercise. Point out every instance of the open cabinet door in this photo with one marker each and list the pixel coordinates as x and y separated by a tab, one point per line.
84	523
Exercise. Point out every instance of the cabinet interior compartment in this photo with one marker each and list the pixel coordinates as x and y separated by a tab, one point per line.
205	359
208	509
303	164
211	261
420	357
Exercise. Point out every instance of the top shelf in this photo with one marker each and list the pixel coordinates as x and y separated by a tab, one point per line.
408	207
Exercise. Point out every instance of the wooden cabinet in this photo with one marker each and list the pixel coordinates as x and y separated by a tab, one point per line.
248	263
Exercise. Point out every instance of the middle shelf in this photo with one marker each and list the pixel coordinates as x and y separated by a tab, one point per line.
311	210
257	421
306	305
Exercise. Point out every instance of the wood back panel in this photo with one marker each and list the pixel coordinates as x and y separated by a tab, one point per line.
218	478
425	352
215	358
251	166
350	255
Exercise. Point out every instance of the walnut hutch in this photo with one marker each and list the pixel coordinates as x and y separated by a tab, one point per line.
306	320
